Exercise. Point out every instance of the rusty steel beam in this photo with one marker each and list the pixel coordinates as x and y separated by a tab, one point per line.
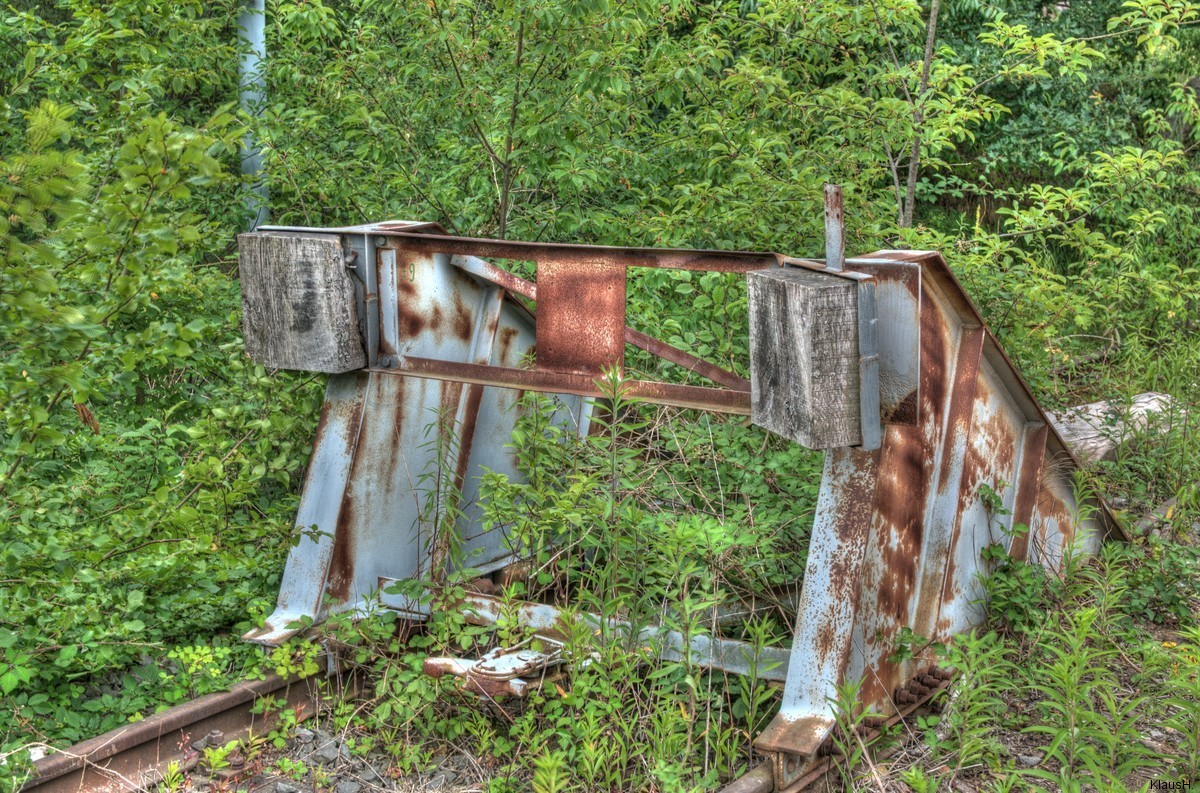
484	269
664	258
686	360
133	757
721	400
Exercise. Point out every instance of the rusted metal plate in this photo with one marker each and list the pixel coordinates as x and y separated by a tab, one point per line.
581	316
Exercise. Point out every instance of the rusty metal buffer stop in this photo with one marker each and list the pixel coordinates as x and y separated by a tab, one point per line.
882	360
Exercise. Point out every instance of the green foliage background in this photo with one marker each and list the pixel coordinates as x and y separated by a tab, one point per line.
149	471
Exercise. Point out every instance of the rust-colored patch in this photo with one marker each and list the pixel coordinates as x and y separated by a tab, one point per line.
449	392
466	437
463	324
1051	508
827	636
906	411
935	342
392	425
1028	485
507	336
962	398
901	506
410	322
341	563
581	316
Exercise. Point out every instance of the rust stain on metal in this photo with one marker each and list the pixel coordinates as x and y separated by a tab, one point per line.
341	564
464	326
935	342
906	411
466	438
410	321
1028	486
962	400
902	491
507	337
448	393
581	316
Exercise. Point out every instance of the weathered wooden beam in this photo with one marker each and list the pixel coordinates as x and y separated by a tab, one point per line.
298	302
1095	431
804	356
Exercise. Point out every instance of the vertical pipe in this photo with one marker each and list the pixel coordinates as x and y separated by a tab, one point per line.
835	228
252	84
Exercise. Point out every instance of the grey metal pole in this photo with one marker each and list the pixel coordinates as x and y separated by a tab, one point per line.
252	87
835	228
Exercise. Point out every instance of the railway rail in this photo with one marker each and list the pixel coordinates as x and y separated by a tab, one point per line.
134	757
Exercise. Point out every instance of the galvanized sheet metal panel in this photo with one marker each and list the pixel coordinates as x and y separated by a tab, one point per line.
899	533
385	450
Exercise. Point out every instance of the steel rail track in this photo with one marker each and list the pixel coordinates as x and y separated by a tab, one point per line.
134	756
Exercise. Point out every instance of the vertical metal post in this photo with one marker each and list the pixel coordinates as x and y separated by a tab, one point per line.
252	84
835	228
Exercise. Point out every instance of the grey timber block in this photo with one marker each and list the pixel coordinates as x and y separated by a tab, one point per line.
1096	431
298	303
804	357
